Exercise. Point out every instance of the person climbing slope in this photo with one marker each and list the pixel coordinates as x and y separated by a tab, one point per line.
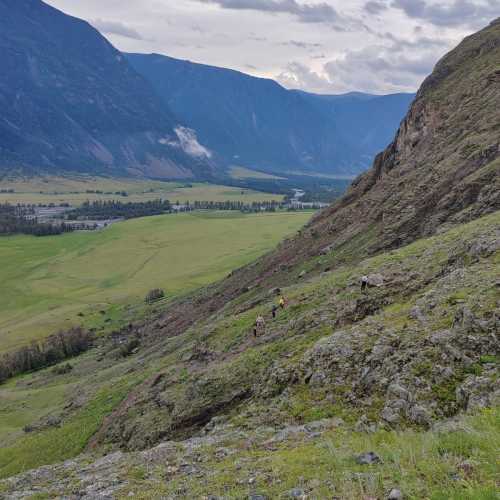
274	309
364	283
282	302
260	326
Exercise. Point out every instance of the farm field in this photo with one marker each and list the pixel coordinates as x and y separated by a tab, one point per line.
58	281
247	173
70	190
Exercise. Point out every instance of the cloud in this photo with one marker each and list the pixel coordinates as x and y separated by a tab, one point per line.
375	7
299	76
303	45
473	13
116	28
305	13
377	69
420	43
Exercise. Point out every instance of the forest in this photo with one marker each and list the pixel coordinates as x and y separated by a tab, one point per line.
38	355
101	210
21	219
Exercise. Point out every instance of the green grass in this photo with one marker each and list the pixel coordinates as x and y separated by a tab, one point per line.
247	173
423	465
21	406
49	281
73	190
60	443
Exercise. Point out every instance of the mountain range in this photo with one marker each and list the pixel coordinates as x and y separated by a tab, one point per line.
256	122
71	102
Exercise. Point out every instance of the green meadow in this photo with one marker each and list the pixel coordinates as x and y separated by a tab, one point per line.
55	282
76	190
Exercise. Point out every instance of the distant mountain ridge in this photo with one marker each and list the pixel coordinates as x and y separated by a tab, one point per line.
257	122
71	102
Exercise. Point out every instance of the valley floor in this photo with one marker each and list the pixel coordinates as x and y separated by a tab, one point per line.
100	279
76	190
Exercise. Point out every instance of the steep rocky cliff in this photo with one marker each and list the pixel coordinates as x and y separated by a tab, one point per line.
443	166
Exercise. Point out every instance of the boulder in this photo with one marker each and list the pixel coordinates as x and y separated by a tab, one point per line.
368	458
296	493
419	415
395	494
398	391
375	279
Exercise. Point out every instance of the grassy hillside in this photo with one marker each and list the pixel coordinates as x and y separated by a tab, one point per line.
73	190
264	426
49	281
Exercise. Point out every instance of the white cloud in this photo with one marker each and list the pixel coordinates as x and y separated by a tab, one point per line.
321	12
473	13
316	45
115	28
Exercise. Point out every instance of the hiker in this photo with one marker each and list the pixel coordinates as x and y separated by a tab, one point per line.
282	302
364	283
273	310
260	326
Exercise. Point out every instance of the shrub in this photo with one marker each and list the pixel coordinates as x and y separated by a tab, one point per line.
62	369
154	295
128	348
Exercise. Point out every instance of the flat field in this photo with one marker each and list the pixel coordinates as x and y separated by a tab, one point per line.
247	173
57	281
74	191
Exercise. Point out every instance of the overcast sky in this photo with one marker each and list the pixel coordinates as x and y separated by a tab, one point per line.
327	46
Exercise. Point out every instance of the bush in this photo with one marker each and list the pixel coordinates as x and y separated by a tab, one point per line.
154	295
62	369
128	348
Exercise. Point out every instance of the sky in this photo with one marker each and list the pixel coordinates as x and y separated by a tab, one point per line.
324	46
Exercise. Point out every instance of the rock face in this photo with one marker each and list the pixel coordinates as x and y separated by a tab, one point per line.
71	101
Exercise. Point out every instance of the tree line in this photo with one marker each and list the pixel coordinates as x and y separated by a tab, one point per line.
38	355
21	219
256	206
101	210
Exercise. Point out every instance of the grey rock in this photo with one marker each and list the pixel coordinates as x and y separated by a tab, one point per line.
419	415
368	458
375	279
417	314
296	493
390	415
395	494
398	391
